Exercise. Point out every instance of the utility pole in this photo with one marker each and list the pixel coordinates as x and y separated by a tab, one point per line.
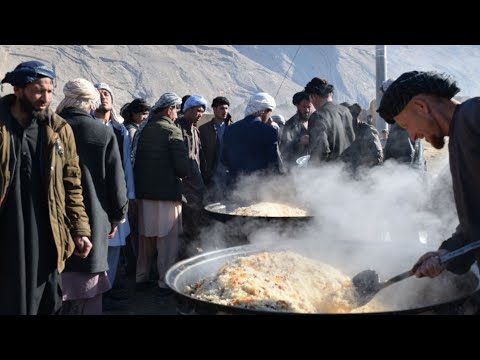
381	76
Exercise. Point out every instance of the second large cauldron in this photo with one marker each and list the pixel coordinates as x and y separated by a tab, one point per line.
423	297
223	212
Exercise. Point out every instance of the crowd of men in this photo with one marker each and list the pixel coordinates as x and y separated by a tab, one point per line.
80	183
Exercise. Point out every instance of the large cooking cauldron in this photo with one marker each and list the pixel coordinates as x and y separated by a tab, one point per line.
415	296
223	212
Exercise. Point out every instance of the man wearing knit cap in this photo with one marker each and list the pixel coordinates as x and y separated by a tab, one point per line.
107	114
161	161
423	104
42	214
250	145
211	137
104	189
193	187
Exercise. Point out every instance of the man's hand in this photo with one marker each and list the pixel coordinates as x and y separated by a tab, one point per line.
304	140
82	246
429	264
113	230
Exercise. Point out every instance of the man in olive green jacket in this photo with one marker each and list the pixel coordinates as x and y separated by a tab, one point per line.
42	215
161	161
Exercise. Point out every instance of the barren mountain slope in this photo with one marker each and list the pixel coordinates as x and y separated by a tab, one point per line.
237	71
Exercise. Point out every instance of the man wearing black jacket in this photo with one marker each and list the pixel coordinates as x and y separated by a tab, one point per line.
423	104
105	196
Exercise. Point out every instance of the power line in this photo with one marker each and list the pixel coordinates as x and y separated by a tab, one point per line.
291	63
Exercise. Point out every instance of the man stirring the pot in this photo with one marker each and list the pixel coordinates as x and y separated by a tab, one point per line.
423	104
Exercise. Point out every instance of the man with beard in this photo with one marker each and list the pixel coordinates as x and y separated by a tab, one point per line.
42	214
161	161
294	141
423	104
193	187
213	171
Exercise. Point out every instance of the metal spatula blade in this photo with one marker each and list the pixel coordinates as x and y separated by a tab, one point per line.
366	283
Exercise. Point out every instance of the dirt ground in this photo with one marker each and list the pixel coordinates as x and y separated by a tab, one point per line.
145	302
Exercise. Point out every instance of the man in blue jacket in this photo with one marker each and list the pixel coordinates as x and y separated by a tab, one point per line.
250	145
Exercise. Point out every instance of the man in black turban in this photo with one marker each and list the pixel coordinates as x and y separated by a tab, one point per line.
405	89
423	104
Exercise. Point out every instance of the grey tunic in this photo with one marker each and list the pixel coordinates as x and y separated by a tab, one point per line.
290	146
331	132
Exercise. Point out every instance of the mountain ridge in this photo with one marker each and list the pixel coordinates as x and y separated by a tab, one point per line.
238	71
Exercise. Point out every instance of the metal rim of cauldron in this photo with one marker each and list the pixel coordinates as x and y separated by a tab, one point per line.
206	307
224	216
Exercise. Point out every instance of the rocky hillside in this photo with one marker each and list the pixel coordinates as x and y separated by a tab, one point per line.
238	71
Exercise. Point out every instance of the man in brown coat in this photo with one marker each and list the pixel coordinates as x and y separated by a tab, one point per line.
42	215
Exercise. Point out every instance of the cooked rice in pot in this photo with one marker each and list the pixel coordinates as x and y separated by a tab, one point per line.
269	209
281	281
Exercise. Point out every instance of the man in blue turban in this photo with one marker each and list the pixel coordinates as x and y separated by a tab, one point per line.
42	214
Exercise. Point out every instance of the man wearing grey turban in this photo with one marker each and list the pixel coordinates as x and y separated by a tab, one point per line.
250	145
161	161
42	214
104	189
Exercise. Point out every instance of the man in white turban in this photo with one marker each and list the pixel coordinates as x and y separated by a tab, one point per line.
79	93
260	102
105	196
250	145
